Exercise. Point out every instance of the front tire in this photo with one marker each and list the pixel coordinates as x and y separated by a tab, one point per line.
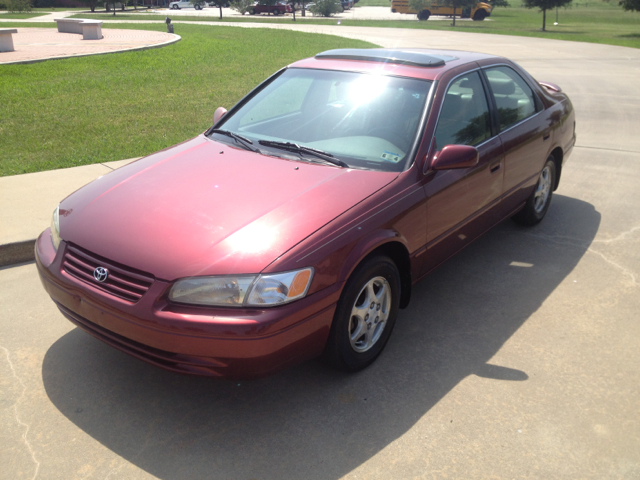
424	15
538	203
365	315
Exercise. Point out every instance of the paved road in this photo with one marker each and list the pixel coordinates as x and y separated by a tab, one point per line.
516	359
359	13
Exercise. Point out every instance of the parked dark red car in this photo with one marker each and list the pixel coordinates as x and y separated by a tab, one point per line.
280	8
296	225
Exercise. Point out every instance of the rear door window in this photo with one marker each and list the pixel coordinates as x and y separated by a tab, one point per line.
514	98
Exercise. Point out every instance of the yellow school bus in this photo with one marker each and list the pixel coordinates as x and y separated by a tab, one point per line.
480	11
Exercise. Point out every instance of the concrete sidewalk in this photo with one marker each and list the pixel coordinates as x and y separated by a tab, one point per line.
38	44
27	202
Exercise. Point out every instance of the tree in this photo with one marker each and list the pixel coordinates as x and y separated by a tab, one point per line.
630	5
217	3
292	3
455	4
499	3
92	4
326	8
545	5
241	6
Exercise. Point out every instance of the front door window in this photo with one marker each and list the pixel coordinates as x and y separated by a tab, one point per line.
464	118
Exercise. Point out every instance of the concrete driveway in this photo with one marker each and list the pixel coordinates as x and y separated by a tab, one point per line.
516	359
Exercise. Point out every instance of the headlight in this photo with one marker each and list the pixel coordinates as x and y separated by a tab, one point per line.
211	290
280	288
243	290
55	228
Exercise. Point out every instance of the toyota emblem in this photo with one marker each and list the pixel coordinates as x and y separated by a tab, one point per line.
100	274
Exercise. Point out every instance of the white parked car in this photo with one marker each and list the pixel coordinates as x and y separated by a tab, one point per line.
186	4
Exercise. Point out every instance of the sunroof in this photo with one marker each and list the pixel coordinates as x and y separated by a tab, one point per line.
414	58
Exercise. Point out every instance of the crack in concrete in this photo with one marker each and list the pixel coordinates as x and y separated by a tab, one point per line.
619	237
576	242
606	149
20	422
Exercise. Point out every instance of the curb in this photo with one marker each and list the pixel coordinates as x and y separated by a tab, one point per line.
17	252
176	39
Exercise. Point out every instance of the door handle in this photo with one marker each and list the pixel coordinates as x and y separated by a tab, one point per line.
495	168
546	135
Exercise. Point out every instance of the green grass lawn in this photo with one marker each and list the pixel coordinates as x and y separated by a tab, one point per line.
59	9
79	111
373	3
598	23
21	15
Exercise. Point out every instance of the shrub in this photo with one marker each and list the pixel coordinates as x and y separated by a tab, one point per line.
19	6
241	6
326	8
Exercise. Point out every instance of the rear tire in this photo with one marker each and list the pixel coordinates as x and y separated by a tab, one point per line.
479	15
538	203
365	315
276	12
424	15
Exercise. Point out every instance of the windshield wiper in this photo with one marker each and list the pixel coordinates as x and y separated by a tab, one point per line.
294	147
244	141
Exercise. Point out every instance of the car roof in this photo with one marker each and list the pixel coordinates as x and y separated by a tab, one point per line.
426	64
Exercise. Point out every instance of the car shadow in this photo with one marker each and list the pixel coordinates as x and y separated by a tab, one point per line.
309	421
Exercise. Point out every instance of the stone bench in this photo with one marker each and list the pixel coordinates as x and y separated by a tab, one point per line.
6	40
89	29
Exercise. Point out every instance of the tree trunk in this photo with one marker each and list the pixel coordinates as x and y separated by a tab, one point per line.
220	5
303	9
293	7
454	16
114	8
544	19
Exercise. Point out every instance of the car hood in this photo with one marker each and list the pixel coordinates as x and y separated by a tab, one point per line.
206	208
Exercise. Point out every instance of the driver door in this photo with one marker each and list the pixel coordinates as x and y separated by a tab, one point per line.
461	202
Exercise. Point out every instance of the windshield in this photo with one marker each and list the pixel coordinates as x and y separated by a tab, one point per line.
366	121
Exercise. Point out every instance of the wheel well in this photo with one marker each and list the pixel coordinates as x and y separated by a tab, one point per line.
557	159
400	256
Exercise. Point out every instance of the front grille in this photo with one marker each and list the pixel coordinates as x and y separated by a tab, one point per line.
122	281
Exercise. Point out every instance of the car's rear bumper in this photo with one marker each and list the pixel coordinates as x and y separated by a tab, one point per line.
224	342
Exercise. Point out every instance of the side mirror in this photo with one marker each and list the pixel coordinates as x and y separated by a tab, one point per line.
455	156
220	111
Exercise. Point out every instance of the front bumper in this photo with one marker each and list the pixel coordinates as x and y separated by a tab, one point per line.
223	342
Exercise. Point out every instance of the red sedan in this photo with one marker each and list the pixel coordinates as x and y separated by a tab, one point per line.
280	8
297	224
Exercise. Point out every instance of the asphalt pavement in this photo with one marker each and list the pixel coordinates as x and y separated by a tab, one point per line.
518	358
